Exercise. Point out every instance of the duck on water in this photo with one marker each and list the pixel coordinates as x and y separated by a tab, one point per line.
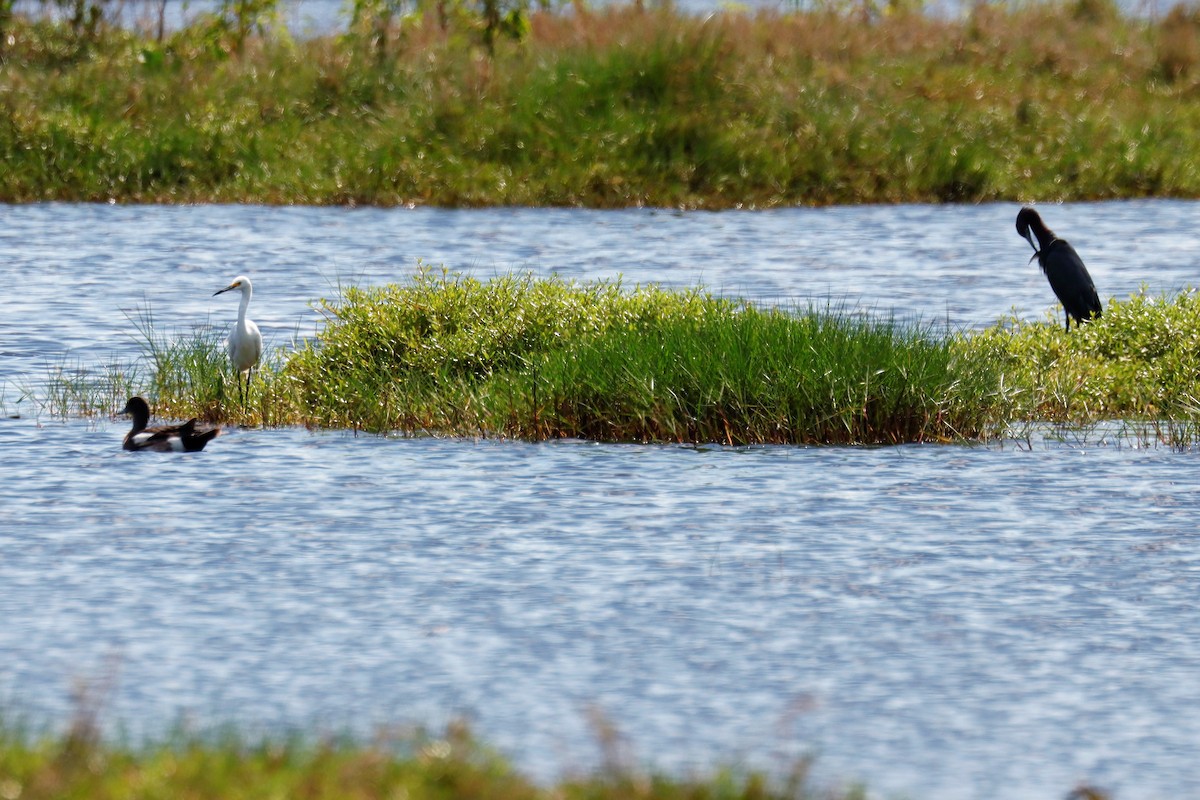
163	438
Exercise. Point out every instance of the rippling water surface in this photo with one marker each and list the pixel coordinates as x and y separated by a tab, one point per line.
940	622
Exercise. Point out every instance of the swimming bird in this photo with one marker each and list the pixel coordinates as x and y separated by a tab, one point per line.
245	342
1063	267
162	438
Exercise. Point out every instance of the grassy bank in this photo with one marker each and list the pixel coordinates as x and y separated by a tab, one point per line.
541	359
545	358
613	107
1140	361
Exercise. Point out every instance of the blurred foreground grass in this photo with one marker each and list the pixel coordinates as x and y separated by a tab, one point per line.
414	766
453	767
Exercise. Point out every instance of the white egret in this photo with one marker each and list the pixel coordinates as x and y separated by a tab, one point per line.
245	342
162	438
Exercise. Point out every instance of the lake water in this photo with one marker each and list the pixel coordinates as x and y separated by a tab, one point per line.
938	622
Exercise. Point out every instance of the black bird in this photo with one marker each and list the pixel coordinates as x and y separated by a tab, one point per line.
1064	268
163	438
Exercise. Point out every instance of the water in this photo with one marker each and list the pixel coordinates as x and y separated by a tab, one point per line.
940	622
87	268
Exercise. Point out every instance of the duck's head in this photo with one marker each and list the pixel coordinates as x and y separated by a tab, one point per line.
136	407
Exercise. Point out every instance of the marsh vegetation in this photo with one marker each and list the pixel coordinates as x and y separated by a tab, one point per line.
542	358
416	765
457	104
535	358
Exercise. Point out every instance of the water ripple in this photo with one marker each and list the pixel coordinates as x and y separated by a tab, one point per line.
941	622
96	266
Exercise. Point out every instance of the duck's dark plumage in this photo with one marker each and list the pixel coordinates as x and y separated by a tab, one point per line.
1063	267
162	438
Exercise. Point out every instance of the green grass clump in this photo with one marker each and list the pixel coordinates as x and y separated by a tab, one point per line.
542	358
424	355
615	106
1140	361
455	766
754	376
536	359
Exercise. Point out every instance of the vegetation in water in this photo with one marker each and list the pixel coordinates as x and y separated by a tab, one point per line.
502	103
547	358
518	356
1140	361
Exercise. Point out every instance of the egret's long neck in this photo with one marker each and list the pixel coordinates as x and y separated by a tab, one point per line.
246	292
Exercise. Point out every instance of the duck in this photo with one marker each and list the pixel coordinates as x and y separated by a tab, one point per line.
163	438
245	342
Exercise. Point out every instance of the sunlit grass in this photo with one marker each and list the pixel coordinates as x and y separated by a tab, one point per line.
536	359
1140	361
414	764
427	354
69	390
452	766
615	107
543	358
79	764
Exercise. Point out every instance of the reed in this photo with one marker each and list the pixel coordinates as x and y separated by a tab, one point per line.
72	389
187	368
